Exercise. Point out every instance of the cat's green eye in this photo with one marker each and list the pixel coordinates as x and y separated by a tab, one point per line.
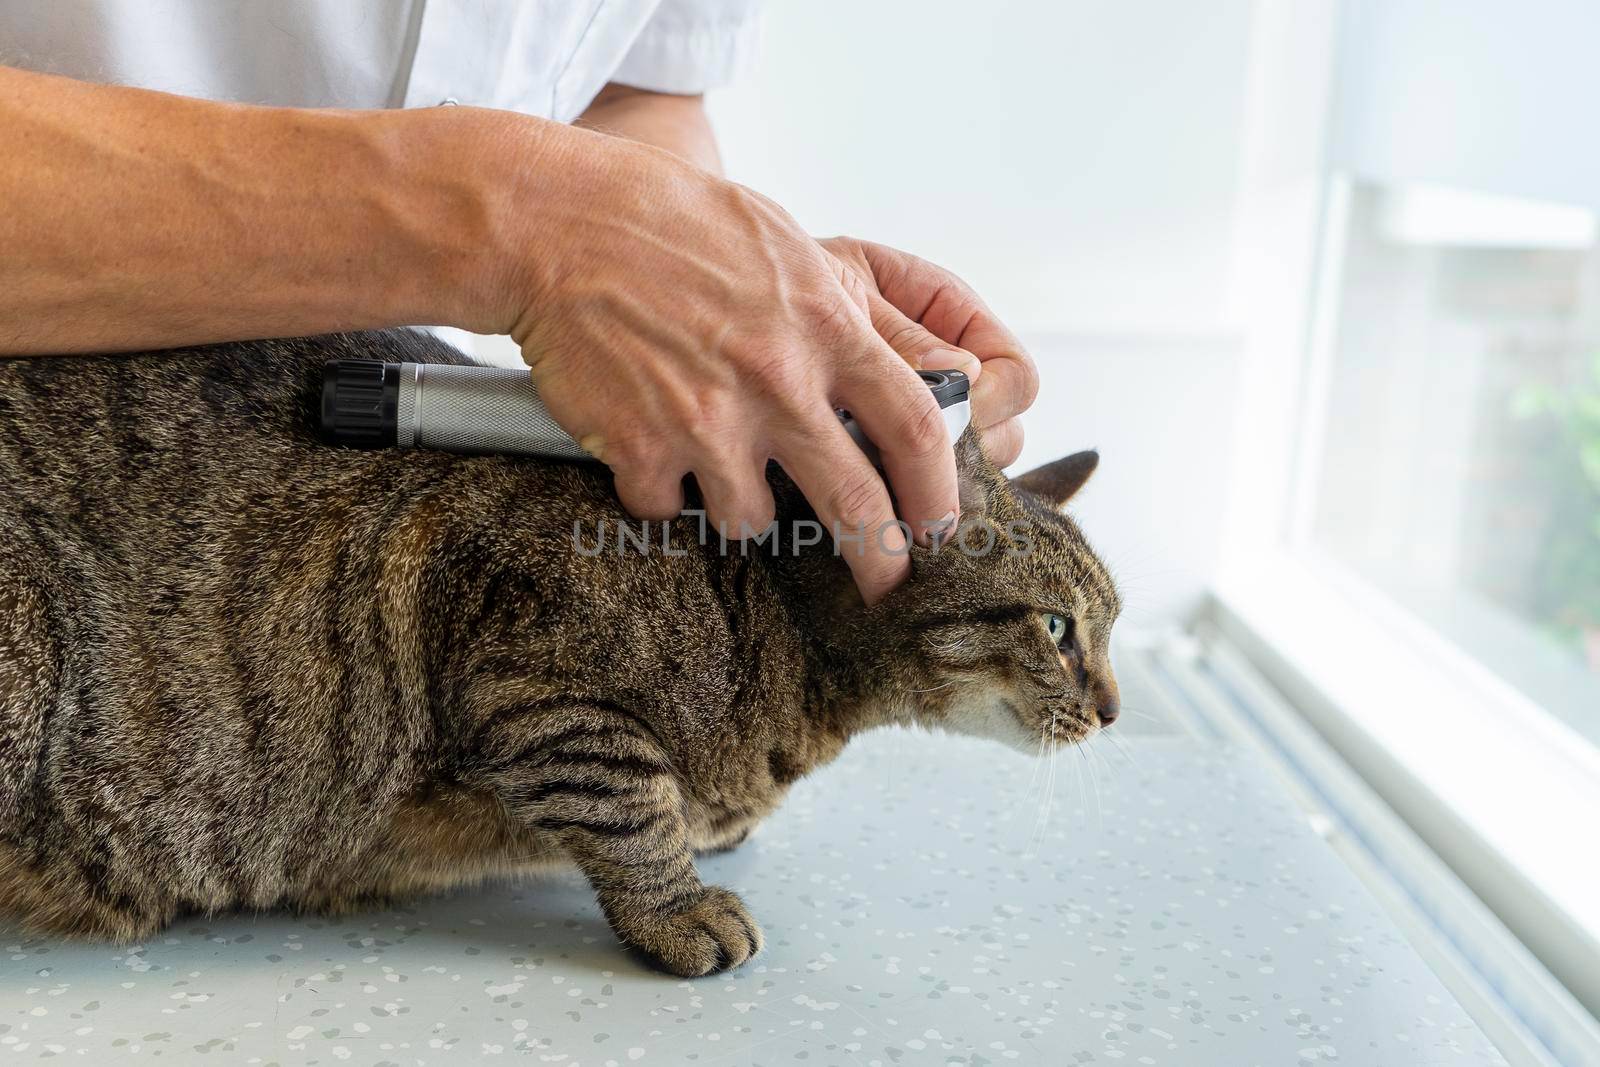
1057	627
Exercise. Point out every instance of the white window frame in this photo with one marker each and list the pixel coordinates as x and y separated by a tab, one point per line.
1497	787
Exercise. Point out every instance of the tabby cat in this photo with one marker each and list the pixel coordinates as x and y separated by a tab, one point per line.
242	669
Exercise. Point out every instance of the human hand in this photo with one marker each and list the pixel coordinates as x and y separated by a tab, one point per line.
678	323
936	322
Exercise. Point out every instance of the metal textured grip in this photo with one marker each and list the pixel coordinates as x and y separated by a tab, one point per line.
498	410
477	409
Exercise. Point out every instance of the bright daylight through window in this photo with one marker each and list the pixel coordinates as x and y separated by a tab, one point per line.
1459	467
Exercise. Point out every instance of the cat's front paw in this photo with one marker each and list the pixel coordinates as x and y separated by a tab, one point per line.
726	846
711	933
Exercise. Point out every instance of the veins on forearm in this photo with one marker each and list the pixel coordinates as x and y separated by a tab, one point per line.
677	124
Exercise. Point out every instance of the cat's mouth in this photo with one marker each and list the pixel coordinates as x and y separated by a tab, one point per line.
1069	729
1030	720
1054	725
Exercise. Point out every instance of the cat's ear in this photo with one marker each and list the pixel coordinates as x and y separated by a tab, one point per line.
1060	481
975	475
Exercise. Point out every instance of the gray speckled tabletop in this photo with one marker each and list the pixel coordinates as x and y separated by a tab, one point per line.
920	907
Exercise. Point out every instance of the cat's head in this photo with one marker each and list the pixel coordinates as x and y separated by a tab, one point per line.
1004	629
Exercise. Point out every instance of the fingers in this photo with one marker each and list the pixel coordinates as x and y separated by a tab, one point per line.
1006	389
851	500
915	344
1003	442
945	358
738	501
948	309
649	494
938	299
900	417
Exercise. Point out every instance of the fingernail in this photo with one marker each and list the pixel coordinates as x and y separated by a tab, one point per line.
950	359
937	531
594	444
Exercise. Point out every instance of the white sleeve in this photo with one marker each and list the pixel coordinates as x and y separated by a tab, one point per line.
689	46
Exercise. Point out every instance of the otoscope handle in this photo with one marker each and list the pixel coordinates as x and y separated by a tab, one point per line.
367	403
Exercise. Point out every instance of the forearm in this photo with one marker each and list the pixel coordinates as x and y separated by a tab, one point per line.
136	219
676	123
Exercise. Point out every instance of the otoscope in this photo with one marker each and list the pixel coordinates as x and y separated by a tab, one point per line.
367	403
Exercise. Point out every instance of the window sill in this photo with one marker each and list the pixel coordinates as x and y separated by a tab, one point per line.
1438	738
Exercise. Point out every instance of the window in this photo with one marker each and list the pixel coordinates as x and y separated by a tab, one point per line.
1413	549
1459	454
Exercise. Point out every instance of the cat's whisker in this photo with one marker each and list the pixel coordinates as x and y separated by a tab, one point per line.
1036	799
1098	754
948	648
1123	749
1126	747
1088	780
1033	775
1042	828
1042	824
1041	816
1083	797
1050	799
1095	787
1105	764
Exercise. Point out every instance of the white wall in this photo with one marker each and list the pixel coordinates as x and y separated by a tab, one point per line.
1074	159
1077	161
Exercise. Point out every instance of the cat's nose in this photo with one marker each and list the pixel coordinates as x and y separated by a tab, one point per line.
1107	702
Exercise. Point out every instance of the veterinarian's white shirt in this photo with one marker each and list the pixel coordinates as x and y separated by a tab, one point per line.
541	57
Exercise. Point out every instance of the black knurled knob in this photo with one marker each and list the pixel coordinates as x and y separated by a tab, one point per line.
360	398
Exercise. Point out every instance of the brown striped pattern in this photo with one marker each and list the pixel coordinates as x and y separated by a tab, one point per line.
239	669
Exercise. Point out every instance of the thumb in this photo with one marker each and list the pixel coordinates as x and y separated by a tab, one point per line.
915	344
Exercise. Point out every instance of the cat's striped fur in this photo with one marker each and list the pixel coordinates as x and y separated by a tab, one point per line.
242	669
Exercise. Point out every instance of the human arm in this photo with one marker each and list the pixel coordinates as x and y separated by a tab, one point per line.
139	220
678	323
677	123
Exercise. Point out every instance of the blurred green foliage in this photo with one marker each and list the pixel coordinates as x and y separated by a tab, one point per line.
1569	567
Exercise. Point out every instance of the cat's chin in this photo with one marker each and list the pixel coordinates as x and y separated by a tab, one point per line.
1001	716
